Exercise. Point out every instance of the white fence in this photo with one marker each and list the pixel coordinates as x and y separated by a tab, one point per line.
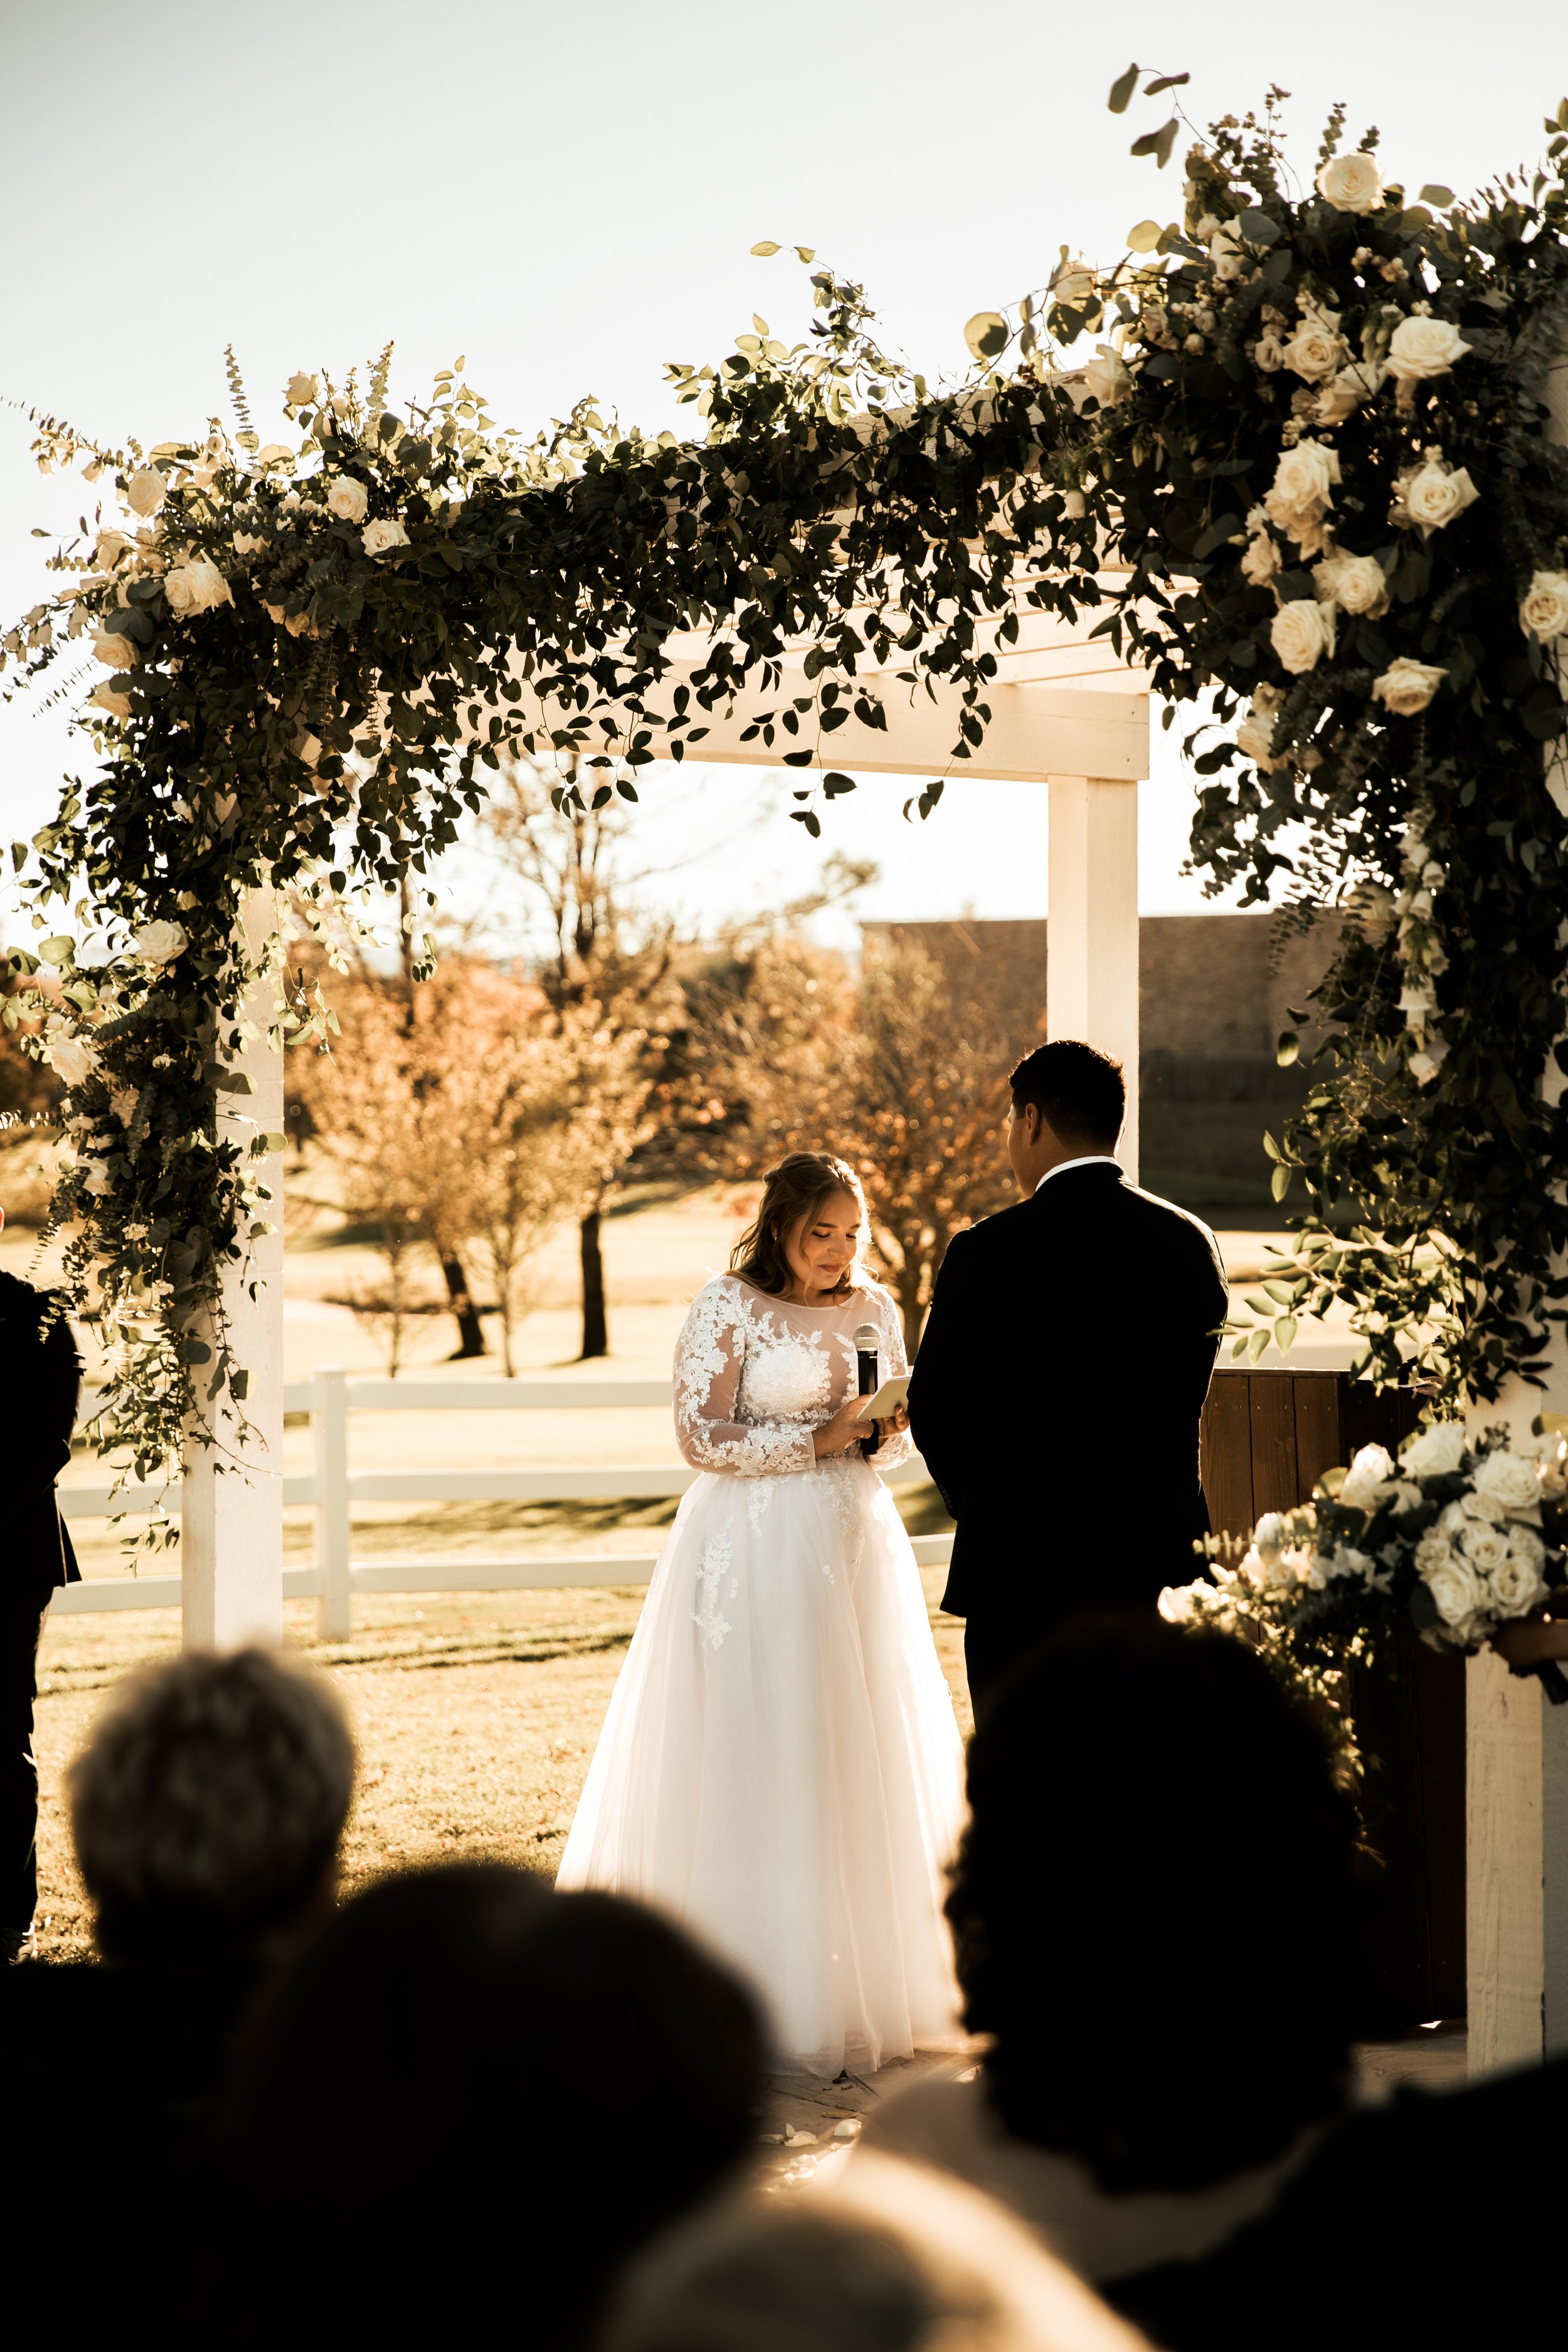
334	1489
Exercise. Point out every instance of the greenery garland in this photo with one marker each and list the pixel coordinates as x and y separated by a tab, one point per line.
315	648
1327	466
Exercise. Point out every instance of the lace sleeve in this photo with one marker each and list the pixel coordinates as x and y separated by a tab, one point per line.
708	1358
895	1360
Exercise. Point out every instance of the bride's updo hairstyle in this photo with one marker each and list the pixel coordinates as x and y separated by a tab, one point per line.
792	1195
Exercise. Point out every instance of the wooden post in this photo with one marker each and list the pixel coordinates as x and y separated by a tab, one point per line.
1091	980
1516	1770
231	1528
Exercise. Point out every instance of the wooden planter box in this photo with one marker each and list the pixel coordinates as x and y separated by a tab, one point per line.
1267	1437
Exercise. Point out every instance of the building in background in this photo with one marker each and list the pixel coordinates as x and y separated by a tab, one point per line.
1216	992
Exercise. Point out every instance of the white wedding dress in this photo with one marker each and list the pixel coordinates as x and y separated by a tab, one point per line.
780	1768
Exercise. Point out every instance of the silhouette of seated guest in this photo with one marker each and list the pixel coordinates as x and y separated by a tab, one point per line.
464	2108
885	2257
1156	1917
1361	2250
206	1813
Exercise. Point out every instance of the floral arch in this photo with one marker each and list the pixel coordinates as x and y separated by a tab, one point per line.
1309	471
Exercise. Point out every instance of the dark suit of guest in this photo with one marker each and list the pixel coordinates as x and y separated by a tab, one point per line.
1091	1311
40	1389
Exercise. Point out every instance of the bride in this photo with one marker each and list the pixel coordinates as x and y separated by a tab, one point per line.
780	1767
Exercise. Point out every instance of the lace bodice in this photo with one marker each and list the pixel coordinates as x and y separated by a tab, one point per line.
755	1376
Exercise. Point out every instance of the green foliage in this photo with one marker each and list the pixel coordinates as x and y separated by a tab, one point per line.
331	643
1427	1150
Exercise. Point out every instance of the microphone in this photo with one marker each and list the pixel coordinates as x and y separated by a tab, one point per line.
867	1366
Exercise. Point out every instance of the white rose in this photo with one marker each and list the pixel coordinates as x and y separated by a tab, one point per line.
304	391
1436	1451
1228	254
1348	1561
1484	1547
71	1058
195	587
108	696
1262	559
1108	376
1365	1479
113	544
146	490
1313	352
1301	632
1544	612
160	943
1433	1551
1407	686
348	499
1351	183
1507	1481
1269	354
1303	489
1176	1603
1270	1533
1455	1591
114	651
1435	494
1357	584
1345	394
1423	347
98	1181
382	536
1517	1585
276	453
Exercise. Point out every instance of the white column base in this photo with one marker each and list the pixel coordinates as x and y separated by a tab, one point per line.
1516	1796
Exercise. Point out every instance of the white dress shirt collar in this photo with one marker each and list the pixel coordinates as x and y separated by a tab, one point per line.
1089	1159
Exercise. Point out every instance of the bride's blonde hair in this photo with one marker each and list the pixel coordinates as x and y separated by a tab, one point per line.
792	1195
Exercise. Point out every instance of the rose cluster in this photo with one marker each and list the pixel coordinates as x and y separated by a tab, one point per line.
1462	1535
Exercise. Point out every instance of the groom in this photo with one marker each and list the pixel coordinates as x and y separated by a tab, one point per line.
1062	1373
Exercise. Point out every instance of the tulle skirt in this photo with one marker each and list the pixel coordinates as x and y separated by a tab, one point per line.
780	1768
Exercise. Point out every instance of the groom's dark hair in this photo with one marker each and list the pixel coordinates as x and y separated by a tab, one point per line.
1079	1091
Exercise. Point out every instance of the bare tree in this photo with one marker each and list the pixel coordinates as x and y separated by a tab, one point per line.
608	974
366	1106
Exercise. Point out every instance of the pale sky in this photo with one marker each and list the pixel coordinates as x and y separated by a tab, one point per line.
567	197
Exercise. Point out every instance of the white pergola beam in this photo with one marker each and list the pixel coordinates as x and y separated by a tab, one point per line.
1035	732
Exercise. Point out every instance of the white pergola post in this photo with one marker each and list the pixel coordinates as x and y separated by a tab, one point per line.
1516	1749
231	1519
1092	973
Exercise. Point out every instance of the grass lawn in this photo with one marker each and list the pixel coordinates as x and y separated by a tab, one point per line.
476	1714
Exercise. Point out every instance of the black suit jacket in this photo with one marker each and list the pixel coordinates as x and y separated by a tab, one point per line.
1094	1309
40	1391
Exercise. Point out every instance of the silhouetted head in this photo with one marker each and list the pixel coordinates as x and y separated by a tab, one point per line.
1155	1907
889	2258
207	1806
496	2094
1079	1091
